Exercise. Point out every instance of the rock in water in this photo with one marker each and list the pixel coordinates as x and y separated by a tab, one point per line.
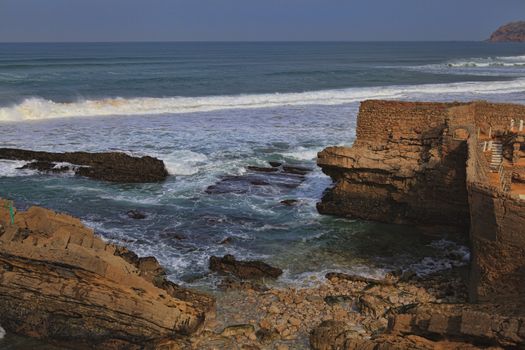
108	166
243	269
514	31
135	214
62	283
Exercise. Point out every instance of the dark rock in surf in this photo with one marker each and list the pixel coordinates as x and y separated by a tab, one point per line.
45	167
289	202
135	214
243	269
262	169
280	177
227	240
297	170
107	166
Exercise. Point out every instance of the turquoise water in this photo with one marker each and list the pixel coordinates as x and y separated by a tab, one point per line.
211	110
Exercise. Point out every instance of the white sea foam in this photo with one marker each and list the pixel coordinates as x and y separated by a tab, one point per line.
183	162
502	61
10	168
41	109
2	332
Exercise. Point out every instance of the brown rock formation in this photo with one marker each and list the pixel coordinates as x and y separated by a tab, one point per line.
423	164
61	283
514	31
110	166
243	269
401	169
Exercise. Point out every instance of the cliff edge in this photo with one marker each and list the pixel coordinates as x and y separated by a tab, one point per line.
457	167
60	282
514	31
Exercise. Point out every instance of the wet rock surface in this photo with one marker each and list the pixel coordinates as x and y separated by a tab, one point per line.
275	178
108	166
243	269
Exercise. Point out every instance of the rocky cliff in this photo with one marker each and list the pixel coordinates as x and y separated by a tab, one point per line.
514	31
62	283
423	164
403	168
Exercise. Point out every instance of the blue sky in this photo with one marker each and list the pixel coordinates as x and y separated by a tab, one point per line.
176	20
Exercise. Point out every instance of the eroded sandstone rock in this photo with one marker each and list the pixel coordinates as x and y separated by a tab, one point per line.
62	283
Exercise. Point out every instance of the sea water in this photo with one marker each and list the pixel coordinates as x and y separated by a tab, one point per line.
211	110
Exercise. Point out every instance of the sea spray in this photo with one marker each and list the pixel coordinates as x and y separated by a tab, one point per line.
2	332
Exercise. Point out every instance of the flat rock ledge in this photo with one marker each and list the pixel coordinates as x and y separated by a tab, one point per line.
61	283
107	166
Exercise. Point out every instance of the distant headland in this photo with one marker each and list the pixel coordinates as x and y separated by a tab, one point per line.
514	31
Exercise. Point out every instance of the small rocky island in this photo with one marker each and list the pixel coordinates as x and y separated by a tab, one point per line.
514	31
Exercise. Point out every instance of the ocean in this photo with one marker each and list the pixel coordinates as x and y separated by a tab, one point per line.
211	110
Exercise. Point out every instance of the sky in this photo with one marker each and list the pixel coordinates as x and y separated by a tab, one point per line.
253	20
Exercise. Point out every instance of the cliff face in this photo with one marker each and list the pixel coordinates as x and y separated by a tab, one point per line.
403	168
514	31
60	282
424	164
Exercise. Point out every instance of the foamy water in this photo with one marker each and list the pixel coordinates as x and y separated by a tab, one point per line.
40	109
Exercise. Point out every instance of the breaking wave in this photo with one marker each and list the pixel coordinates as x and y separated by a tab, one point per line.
503	61
40	109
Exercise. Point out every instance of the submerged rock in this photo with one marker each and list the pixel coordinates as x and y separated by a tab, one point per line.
107	166
243	269
135	214
62	283
261	180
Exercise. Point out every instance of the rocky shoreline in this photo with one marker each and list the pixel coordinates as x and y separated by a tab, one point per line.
51	262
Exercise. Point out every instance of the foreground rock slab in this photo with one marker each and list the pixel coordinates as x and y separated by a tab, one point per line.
61	283
108	166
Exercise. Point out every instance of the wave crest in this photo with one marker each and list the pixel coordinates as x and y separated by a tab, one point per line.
40	109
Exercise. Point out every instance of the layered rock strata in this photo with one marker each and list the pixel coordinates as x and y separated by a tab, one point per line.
108	166
60	282
423	164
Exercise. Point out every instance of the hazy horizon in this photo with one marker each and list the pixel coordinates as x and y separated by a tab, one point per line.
62	21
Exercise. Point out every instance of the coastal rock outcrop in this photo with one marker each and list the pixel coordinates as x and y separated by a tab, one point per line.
61	283
447	166
107	166
243	269
401	168
514	31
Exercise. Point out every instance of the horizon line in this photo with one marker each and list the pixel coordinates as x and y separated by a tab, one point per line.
237	41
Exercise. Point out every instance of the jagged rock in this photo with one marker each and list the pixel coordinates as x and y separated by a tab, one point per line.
330	335
243	269
109	166
135	214
289	202
46	166
62	283
357	278
262	169
514	31
482	324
